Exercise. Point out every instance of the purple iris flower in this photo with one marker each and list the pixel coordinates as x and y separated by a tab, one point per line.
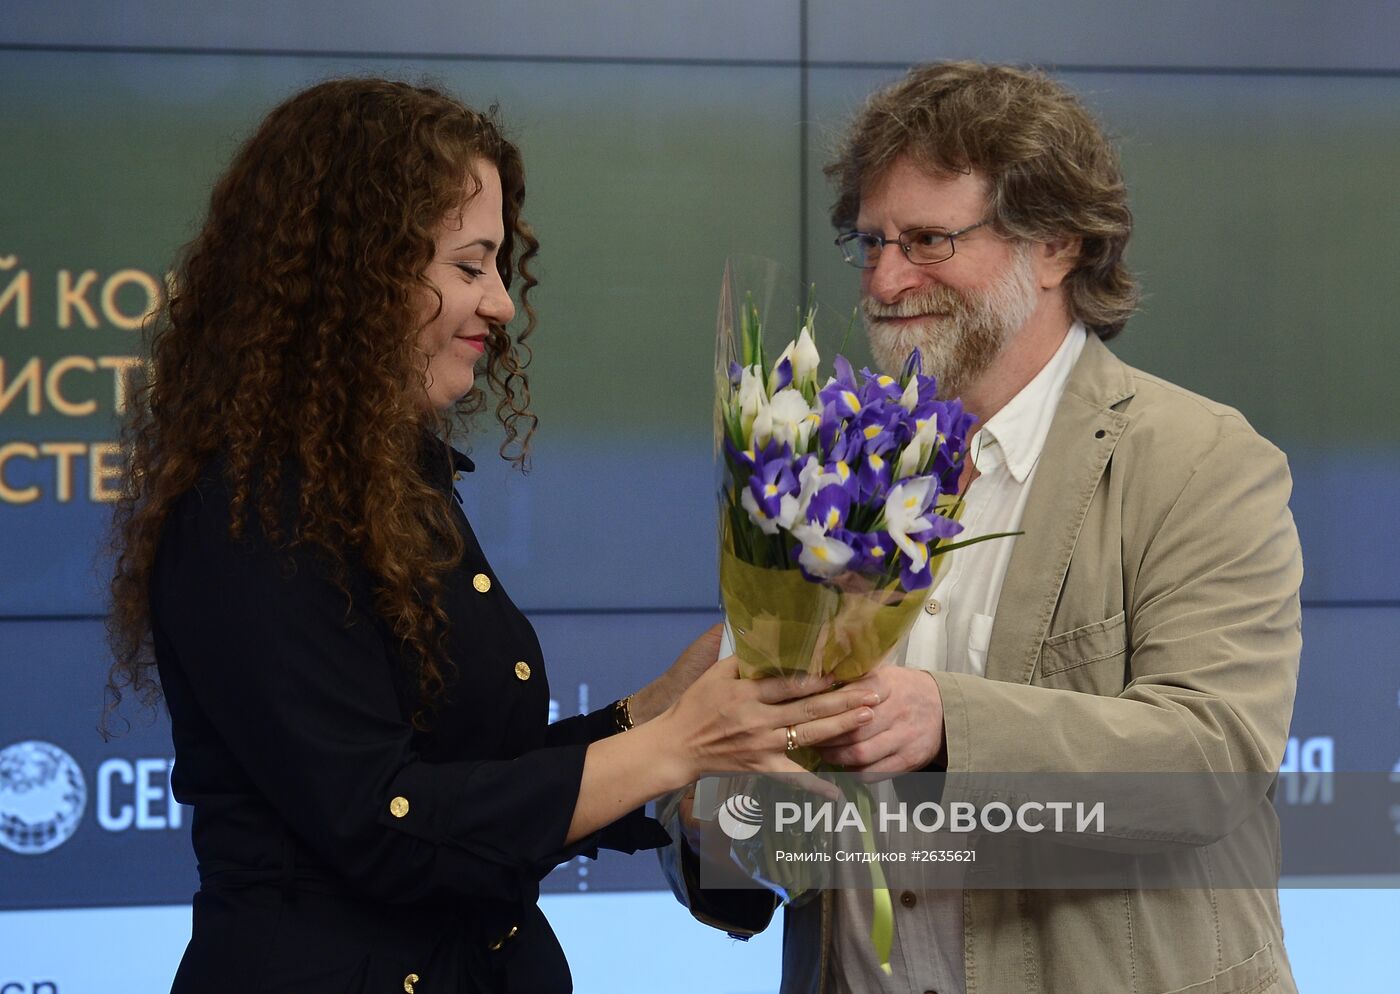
960	424
736	373
876	550
873	477
772	480
916	579
846	447
939	527
913	366
926	388
880	425
844	374
829	507
837	438
875	387
842	392
956	425
756	459
782	377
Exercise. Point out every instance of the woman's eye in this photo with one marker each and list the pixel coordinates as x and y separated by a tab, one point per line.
470	268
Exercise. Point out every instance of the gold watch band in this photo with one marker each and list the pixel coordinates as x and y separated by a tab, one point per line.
622	714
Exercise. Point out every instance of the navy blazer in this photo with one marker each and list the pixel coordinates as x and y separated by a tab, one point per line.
339	849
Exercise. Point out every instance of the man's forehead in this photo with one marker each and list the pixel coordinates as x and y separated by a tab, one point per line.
917	193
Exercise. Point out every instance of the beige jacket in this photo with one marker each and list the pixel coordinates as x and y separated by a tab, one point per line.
1149	621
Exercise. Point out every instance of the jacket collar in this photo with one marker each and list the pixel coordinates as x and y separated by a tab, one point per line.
1015	435
460	462
1082	436
439	462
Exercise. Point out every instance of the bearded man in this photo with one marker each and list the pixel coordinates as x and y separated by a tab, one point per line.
1146	619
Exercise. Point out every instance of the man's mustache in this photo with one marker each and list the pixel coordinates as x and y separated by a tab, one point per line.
939	300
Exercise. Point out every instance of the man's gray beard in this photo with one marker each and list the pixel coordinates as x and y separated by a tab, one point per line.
959	348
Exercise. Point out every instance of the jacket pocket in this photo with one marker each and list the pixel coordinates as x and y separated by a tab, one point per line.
1088	659
1257	975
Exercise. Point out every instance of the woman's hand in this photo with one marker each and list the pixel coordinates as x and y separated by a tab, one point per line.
725	724
662	692
719	724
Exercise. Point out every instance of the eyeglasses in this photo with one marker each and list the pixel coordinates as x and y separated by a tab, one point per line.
922	246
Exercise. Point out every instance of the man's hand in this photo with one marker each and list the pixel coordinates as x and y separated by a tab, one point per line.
662	692
907	731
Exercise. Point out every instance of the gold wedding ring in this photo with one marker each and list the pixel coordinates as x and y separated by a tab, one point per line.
791	738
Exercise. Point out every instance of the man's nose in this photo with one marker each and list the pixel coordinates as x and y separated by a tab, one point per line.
893	274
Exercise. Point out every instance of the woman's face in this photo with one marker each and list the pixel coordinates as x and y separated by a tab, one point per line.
473	297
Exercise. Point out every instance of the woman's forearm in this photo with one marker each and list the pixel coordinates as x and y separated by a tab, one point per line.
623	772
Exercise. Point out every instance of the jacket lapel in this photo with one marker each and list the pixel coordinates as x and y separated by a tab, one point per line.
1082	436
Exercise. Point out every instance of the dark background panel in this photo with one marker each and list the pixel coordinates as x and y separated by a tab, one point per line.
53	674
612	29
1242	35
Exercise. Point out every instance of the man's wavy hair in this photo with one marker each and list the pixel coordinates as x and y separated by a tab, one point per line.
290	340
1051	171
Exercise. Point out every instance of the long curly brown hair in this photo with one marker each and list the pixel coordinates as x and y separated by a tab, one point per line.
289	339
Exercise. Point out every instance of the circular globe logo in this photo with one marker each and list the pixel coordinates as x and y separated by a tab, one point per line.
42	797
741	817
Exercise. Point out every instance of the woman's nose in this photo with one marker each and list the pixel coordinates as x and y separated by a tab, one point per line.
496	305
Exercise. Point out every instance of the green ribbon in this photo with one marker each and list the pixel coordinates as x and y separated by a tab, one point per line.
882	912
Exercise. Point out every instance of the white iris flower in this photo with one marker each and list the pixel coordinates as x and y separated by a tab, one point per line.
821	555
904	514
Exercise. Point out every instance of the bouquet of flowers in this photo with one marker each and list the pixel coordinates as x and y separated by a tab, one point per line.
837	502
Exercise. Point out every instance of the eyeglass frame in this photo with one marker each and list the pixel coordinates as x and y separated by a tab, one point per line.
898	239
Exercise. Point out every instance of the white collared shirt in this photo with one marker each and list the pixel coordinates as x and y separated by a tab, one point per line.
952	634
952	631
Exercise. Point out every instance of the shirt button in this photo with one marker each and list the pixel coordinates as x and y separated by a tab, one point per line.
908	899
481	582
522	670
408	983
398	807
933	607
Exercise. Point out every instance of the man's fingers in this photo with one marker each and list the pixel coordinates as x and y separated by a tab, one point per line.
776	689
874	680
821	731
861	756
824	706
858	734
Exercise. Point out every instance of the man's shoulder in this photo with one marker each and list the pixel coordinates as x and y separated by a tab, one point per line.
1155	397
1168	421
1169	435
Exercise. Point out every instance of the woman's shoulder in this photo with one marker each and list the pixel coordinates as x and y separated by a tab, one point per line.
218	521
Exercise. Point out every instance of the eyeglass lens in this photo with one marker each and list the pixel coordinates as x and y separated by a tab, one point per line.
922	245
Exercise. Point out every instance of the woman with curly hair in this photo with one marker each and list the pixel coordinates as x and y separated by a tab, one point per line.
358	709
